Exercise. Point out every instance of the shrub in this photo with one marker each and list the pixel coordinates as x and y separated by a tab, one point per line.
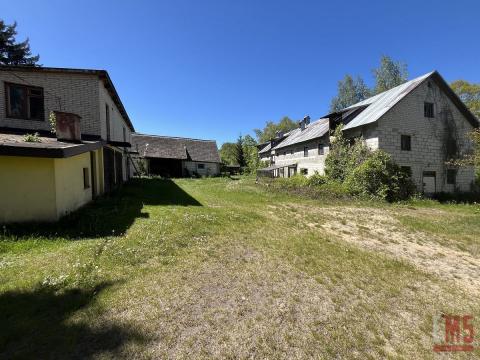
317	180
380	177
344	157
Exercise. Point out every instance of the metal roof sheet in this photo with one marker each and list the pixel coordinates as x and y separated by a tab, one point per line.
312	131
379	104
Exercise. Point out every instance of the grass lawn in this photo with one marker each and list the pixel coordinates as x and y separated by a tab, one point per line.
221	268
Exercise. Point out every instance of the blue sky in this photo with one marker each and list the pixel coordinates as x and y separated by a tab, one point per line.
214	69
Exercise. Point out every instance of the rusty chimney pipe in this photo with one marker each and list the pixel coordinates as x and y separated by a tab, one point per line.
67	126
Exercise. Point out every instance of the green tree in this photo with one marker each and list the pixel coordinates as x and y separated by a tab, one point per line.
271	128
389	74
228	153
470	95
13	52
250	151
239	154
350	91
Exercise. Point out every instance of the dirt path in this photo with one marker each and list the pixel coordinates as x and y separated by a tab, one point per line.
379	230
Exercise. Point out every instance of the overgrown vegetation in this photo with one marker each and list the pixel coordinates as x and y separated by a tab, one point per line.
32	137
365	172
223	268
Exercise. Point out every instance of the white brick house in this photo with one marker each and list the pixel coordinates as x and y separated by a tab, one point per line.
421	123
86	157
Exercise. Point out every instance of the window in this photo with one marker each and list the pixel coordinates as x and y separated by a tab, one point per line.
107	120
304	171
428	109
24	102
86	178
451	176
406	141
320	149
407	170
200	166
305	151
124	135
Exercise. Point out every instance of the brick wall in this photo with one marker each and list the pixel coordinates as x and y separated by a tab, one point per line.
295	153
427	136
76	93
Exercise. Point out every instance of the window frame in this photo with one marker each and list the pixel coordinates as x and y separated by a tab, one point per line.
305	151
26	103
200	166
406	148
430	108
321	150
107	120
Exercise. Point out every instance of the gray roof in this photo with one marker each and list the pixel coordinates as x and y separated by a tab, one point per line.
378	105
312	131
266	149
165	147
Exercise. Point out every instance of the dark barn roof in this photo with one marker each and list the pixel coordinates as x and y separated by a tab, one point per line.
165	147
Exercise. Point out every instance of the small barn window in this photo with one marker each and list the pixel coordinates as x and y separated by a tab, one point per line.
406	142
24	102
200	166
428	109
320	149
451	176
86	178
304	171
305	151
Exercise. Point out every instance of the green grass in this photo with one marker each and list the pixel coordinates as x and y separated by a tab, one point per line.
225	269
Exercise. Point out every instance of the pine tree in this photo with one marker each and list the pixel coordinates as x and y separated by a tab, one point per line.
240	155
11	52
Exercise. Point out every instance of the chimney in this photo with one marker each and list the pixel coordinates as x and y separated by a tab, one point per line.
304	122
67	126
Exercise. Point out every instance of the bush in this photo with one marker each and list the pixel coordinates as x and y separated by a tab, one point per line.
379	177
344	157
317	180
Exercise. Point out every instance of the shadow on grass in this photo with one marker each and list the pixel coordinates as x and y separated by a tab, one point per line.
109	215
34	325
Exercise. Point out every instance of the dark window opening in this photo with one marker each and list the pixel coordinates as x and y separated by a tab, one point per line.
305	151
407	170
451	176
200	166
406	141
428	110
24	102
124	135
304	171
107	120
86	178
320	149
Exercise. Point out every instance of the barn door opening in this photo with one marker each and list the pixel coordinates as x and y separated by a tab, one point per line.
429	182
